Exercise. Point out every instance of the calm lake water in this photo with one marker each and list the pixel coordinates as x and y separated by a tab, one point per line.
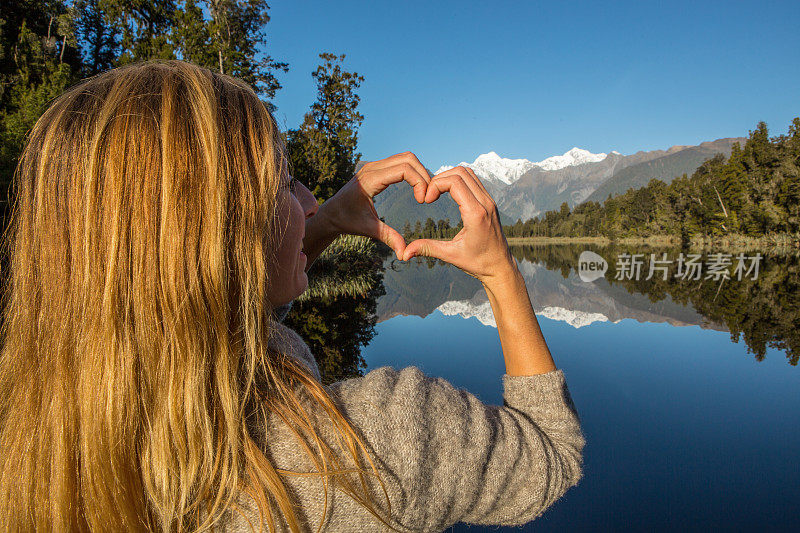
687	389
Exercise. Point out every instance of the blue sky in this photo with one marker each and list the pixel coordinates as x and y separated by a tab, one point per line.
451	80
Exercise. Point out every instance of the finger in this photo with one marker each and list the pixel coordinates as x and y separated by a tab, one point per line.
470	180
404	157
487	199
392	238
377	180
429	248
468	205
449	180
478	181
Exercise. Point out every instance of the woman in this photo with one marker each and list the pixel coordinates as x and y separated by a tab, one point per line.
147	383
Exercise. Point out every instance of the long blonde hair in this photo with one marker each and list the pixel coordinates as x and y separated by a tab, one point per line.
136	320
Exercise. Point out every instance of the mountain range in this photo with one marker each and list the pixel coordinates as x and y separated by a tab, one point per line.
524	189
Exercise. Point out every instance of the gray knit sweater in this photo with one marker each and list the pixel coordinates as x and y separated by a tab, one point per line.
444	456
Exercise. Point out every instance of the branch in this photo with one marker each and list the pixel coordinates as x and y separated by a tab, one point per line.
725	211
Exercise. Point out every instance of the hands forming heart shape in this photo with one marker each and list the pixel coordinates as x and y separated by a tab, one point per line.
480	249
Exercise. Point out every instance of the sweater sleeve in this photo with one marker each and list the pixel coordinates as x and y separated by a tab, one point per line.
456	459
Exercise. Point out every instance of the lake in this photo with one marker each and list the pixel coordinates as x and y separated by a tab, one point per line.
688	389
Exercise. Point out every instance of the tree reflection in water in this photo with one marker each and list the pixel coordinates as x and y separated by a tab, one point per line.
336	314
765	312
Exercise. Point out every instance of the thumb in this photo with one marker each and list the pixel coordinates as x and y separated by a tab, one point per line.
427	248
392	238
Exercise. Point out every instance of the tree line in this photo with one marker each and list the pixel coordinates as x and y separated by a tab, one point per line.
440	229
754	192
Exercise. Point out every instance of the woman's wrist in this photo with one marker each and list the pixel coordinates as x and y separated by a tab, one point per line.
504	276
524	348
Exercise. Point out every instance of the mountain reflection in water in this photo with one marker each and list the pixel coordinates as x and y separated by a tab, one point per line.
764	311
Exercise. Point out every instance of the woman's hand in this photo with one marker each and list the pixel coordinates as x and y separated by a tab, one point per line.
351	209
480	249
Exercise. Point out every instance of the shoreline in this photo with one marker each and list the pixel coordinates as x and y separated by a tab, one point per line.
782	242
728	241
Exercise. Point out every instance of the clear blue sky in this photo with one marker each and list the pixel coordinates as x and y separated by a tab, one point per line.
451	80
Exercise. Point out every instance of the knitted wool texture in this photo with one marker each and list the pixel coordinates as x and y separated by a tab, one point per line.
444	456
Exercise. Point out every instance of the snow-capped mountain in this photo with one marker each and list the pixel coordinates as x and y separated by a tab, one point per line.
576	319
574	156
467	309
492	166
483	312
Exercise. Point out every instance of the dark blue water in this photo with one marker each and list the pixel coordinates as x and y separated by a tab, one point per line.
685	429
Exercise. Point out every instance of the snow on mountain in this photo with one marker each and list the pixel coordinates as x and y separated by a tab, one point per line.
483	312
507	171
493	166
576	319
575	156
465	308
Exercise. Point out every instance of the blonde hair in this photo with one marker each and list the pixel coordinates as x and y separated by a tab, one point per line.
136	318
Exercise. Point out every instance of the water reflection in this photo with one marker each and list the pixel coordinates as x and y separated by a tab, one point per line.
358	283
764	312
336	315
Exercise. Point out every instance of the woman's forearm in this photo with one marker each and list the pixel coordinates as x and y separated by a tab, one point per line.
320	233
524	348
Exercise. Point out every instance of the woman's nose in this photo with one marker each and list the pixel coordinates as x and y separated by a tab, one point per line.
307	200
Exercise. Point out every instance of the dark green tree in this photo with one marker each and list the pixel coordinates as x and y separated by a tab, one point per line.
228	36
38	60
323	149
406	230
99	35
429	231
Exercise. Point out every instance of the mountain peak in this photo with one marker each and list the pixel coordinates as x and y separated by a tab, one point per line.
492	166
574	156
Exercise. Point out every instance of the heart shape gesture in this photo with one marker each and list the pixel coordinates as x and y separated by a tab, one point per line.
480	249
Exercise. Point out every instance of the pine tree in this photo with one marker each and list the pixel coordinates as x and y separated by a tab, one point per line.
407	231
789	193
429	231
228	36
38	61
323	150
144	28
99	34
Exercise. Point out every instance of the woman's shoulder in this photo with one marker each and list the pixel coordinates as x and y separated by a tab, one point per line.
288	341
